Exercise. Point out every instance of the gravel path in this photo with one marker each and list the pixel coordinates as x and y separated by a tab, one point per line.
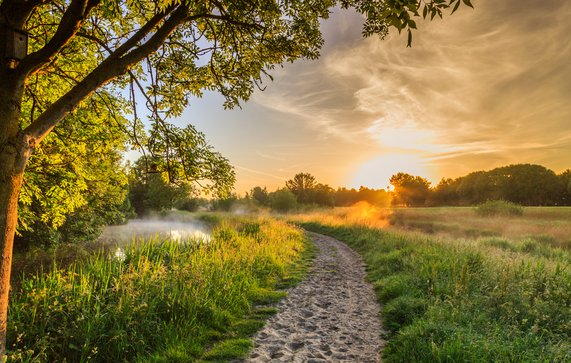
332	316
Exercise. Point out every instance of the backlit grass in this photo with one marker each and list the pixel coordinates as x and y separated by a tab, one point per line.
489	299
161	301
550	225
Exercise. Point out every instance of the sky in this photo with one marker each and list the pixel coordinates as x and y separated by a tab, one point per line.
480	89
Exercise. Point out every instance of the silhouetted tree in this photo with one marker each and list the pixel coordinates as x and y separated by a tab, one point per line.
410	191
524	184
565	180
301	186
322	194
260	195
283	200
444	193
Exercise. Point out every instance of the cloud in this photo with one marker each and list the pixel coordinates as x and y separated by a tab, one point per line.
491	83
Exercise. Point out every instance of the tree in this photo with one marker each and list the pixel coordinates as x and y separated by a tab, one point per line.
184	156
323	195
528	184
565	180
301	186
180	159
410	191
378	197
444	193
176	48
260	195
524	184
74	182
283	200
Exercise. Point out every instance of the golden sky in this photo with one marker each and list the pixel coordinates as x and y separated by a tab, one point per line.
481	89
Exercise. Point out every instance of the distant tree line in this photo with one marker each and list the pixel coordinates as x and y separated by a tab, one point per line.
523	184
303	190
112	192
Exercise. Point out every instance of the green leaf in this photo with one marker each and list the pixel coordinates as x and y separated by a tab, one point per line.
409	42
456	7
467	2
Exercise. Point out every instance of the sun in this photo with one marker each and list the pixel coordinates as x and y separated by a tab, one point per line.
375	173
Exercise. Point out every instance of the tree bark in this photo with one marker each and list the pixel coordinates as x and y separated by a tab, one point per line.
14	153
10	185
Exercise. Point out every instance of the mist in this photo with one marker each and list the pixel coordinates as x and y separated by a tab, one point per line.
168	228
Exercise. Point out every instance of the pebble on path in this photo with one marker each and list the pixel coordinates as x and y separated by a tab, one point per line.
332	316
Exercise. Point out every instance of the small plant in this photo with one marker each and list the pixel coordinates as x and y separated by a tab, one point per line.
494	208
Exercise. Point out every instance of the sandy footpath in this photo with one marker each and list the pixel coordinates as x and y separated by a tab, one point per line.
332	316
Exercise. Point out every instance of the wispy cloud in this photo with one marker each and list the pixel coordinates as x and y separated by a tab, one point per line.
491	81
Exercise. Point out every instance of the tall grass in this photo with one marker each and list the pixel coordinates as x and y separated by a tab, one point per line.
552	224
484	300
158	301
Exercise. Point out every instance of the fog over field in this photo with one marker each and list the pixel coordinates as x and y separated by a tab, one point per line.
141	228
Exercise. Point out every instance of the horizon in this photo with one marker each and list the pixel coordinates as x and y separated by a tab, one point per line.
482	89
389	187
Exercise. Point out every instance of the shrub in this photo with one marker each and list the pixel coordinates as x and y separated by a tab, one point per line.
494	208
283	200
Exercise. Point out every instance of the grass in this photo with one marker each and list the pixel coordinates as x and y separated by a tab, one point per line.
162	301
551	224
463	300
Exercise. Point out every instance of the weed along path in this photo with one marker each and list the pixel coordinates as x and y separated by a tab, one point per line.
332	316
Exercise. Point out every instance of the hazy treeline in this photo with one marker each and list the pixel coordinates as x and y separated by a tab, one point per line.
523	184
303	189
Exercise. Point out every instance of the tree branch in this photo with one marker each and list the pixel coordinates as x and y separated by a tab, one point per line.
142	33
69	25
106	71
16	12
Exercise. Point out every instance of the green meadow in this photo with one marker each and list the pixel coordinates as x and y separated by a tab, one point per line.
454	286
458	287
159	300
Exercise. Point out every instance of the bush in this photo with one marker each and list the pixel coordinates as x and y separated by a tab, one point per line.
494	208
283	200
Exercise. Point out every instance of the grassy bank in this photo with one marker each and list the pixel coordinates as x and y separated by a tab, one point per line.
158	300
456	300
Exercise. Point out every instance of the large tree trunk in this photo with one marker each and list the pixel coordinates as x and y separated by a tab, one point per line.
10	184
15	150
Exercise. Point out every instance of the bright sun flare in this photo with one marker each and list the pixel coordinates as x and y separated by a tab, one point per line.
376	172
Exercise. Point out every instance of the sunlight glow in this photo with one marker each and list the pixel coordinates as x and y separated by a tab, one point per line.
407	137
376	172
